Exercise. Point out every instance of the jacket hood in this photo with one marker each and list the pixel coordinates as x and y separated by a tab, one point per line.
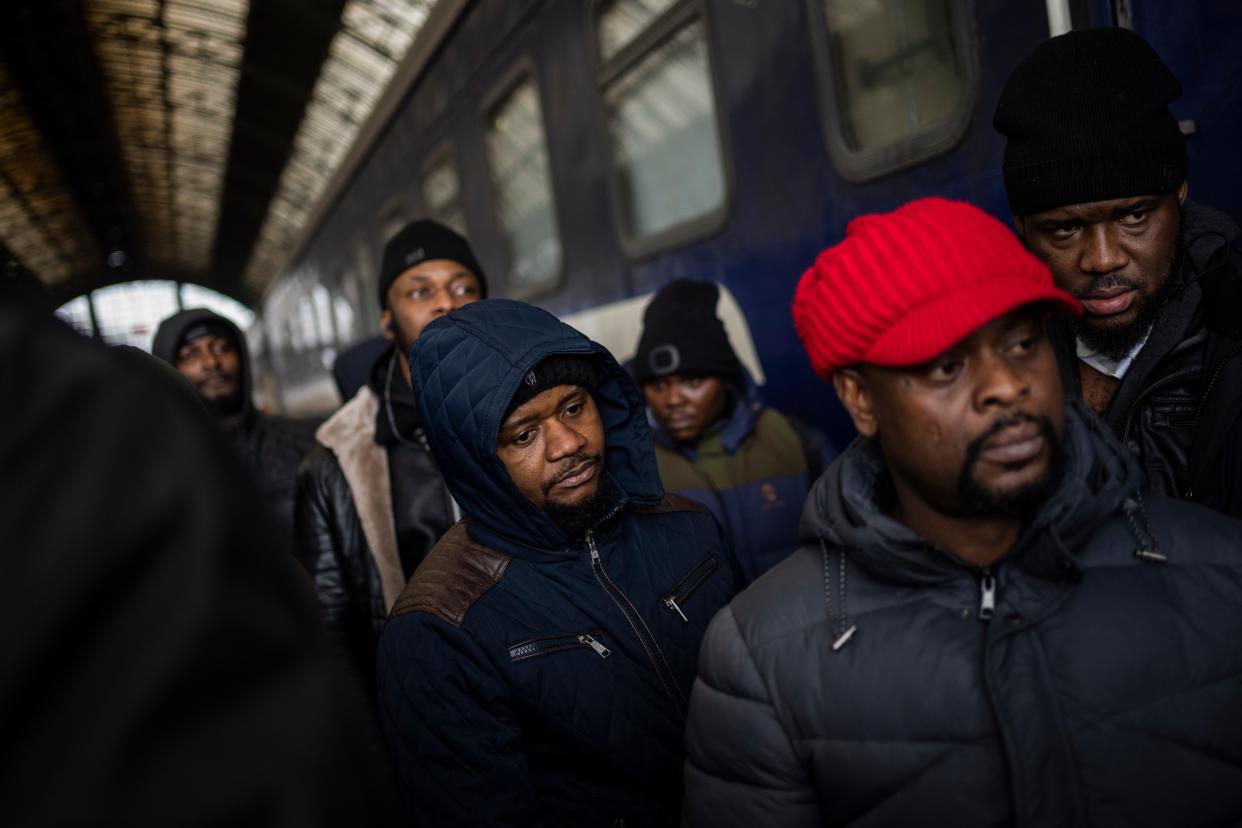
733	428
1206	233
465	368
848	507
168	340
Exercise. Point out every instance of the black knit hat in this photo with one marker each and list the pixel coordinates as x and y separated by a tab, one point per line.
551	372
682	335
1087	118
421	241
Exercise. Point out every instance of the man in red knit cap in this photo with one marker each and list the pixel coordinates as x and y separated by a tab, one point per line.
987	623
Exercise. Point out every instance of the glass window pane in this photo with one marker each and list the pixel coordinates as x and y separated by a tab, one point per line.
78	314
391	223
323	315
895	67
129	313
197	296
518	155
442	194
620	21
665	146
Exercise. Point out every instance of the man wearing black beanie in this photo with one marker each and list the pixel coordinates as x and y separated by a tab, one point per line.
371	502
1095	172
715	441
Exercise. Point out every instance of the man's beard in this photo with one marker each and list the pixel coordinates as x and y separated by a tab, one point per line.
223	407
1117	341
1021	502
576	521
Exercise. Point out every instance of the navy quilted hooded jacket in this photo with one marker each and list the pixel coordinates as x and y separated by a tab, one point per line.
527	678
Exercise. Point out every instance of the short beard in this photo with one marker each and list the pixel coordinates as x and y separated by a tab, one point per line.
1116	342
576	521
1021	502
224	407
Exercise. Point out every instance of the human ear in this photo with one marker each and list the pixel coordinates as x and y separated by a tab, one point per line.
1182	191
386	325
853	393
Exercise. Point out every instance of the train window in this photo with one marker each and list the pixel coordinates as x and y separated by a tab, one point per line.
897	79
391	221
517	153
668	166
442	190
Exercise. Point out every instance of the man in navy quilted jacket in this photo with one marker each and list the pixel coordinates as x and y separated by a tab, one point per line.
535	670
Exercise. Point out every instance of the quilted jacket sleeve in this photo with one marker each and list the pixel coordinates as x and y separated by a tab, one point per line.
741	768
447	717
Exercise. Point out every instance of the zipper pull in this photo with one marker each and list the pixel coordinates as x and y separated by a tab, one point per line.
590	539
671	603
987	600
590	641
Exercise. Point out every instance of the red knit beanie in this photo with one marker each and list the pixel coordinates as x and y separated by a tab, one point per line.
904	286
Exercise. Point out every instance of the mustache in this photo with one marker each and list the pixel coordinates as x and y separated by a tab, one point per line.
976	446
1107	282
568	468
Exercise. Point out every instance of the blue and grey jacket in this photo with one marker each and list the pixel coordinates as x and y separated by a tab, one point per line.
525	677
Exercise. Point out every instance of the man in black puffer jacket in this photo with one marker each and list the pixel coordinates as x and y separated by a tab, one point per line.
1095	170
210	352
987	624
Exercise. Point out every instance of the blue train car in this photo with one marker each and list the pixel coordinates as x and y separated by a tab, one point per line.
593	151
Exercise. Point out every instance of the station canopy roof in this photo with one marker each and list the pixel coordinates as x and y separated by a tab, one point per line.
181	139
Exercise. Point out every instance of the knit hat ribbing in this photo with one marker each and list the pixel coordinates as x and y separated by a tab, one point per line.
682	335
904	286
1087	118
551	372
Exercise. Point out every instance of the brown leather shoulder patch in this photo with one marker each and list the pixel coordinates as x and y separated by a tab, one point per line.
454	575
670	503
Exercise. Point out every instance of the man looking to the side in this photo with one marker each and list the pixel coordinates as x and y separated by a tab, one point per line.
987	624
371	502
535	669
716	442
210	352
1095	170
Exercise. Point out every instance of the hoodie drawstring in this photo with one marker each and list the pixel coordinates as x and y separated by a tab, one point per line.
1148	548
845	630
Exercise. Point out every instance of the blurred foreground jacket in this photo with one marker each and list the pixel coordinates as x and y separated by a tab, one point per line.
514	688
1102	689
160	653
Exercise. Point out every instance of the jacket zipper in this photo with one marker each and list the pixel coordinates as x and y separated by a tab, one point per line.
536	647
590	641
653	649
680	593
987	595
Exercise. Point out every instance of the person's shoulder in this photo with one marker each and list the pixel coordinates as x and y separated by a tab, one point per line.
787	597
1195	534
454	576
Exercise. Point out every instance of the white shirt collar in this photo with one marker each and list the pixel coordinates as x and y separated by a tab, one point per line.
1115	368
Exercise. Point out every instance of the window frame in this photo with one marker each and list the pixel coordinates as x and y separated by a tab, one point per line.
662	29
521	70
860	166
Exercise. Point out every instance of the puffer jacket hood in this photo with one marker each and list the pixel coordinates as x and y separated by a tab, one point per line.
846	507
168	340
465	368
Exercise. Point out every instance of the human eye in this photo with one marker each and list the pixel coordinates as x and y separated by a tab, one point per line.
574	408
420	292
465	289
1135	217
694	382
945	369
523	438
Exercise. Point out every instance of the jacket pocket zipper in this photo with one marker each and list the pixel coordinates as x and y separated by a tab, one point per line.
689	583
535	647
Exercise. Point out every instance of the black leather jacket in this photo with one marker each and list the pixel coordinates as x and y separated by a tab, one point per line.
352	535
1179	407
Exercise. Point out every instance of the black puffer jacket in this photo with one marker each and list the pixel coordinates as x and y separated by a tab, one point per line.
270	446
1179	406
358	541
1105	688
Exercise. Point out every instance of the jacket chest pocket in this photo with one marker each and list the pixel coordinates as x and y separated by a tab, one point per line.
1179	413
675	599
547	645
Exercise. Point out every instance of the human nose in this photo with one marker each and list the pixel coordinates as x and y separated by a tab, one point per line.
999	384
1103	253
562	441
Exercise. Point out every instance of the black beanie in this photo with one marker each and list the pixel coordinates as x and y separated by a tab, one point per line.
551	372
1087	118
421	241
682	335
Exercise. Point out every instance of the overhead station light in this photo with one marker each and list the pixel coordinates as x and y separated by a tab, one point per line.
374	37
171	69
39	218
